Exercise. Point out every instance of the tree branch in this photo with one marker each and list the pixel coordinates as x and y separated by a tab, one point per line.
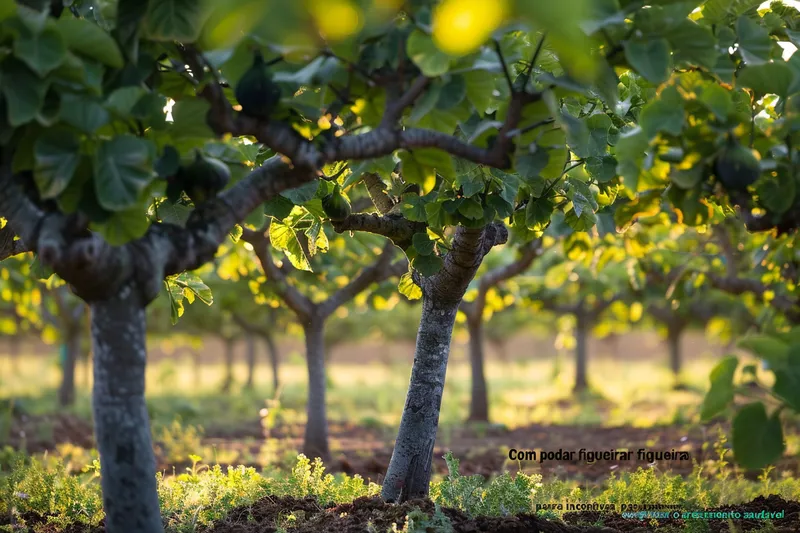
96	269
738	286
302	306
383	140
530	251
662	314
375	273
728	250
394	227
9	244
560	309
789	221
377	193
250	327
470	246
394	110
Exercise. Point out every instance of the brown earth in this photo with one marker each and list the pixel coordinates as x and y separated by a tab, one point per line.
371	514
481	450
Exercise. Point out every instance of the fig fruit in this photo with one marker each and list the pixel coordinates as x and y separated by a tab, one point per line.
736	167
203	178
256	91
335	205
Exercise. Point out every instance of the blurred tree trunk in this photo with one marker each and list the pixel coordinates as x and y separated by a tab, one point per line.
316	437
121	423
501	348
73	342
581	351
227	383
70	321
250	343
479	404
274	361
196	367
14	343
674	334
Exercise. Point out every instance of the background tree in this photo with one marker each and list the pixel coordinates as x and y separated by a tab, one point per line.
475	310
679	304
312	311
583	282
48	309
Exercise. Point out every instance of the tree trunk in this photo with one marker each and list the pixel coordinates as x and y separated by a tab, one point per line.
250	340
316	438
581	353
196	367
479	405
122	427
227	383
409	472
274	362
14	350
66	392
501	349
674	334
88	350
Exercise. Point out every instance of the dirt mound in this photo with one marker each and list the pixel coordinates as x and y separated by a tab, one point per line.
39	433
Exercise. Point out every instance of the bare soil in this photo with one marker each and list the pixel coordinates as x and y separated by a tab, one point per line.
481	450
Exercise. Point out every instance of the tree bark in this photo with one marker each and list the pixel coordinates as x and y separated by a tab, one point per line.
251	360
272	351
316	437
479	404
581	352
409	473
66	392
227	383
122	427
410	468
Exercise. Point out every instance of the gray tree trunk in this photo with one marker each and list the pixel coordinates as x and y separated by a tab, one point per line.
581	353
272	351
409	472
227	383
250	341
66	391
479	404
316	437
122	427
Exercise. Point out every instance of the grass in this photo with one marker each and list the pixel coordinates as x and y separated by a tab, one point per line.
203	494
637	393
